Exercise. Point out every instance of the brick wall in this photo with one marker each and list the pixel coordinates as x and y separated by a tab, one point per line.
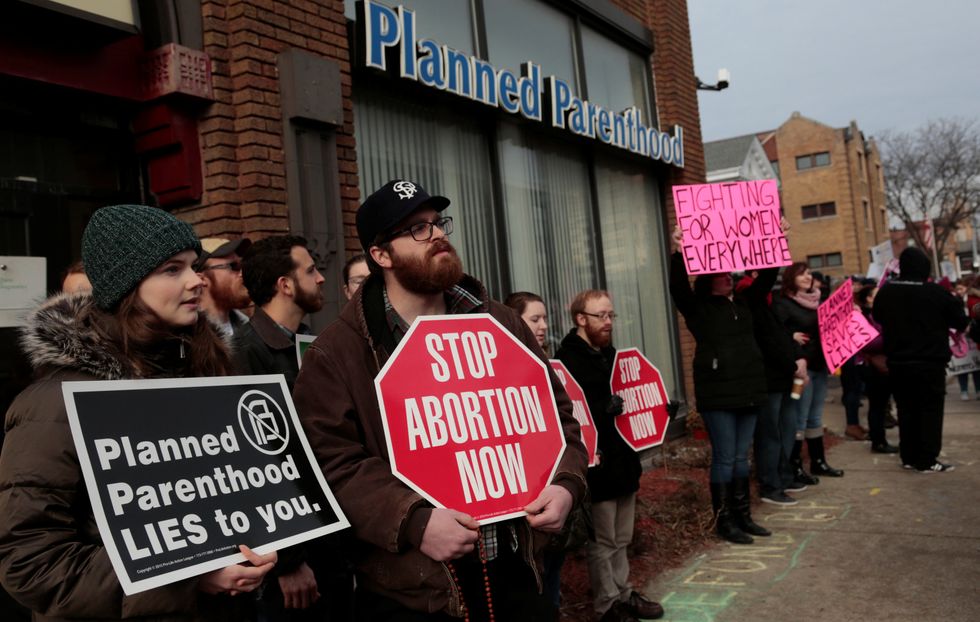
672	66
843	182
242	132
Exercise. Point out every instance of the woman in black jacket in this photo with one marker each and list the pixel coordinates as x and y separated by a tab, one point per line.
796	309
729	383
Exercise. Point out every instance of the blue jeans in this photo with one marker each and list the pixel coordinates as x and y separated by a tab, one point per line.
809	415
964	380
730	432
775	434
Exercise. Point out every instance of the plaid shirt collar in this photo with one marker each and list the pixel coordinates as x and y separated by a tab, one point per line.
458	301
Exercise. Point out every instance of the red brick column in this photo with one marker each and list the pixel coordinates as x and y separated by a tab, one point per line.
241	133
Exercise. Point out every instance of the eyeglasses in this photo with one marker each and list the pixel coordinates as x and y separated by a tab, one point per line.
422	231
234	266
601	316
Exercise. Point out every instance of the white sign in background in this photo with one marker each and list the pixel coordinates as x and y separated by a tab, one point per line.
23	284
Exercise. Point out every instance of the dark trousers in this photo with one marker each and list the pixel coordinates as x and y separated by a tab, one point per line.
513	592
775	431
852	390
879	390
920	394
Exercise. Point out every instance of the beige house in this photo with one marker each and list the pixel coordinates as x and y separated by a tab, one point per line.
832	191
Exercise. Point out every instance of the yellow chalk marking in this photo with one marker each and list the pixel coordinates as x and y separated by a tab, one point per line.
874	491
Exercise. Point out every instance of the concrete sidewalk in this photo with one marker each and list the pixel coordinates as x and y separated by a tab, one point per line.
881	543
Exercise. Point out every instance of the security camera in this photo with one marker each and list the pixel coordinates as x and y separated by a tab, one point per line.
724	77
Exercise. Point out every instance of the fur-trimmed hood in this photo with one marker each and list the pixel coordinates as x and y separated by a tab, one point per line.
59	334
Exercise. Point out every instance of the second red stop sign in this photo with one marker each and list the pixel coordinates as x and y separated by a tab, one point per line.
470	416
643	423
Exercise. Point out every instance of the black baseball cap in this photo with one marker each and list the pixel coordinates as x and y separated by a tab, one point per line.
389	205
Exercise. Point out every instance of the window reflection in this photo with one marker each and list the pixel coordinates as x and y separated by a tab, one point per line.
528	30
616	77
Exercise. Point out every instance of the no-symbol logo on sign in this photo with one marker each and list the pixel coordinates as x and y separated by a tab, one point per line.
265	428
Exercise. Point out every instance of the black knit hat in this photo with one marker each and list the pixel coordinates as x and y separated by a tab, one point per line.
124	243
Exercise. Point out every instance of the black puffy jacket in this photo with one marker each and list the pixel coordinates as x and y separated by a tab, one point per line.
728	369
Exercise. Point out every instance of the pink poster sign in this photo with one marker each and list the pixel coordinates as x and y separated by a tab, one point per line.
843	328
731	226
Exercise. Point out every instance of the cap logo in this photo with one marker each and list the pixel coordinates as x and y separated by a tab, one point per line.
405	189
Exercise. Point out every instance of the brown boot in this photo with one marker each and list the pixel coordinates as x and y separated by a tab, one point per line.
856	432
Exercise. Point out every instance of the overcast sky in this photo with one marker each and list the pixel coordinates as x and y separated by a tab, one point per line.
888	64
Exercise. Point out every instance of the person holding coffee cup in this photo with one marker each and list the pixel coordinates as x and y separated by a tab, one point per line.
796	309
775	430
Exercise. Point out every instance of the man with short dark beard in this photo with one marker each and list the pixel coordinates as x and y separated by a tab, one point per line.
311	581
413	561
588	354
220	265
282	279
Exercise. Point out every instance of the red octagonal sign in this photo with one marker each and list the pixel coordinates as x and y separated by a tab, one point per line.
470	416
643	423
580	410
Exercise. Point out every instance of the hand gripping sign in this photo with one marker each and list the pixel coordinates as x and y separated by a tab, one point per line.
643	423
469	416
580	410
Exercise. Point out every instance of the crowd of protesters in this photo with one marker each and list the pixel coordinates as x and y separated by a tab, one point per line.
151	300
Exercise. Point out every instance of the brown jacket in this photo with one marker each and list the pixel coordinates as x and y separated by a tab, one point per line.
338	407
51	555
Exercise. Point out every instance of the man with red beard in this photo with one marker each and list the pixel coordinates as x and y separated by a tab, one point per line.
588	354
413	561
220	265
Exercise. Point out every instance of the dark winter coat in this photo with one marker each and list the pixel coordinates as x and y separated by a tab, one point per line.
261	347
916	316
338	406
798	319
51	555
779	351
618	471
728	368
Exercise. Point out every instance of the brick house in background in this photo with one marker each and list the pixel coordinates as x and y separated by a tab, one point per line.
832	193
255	117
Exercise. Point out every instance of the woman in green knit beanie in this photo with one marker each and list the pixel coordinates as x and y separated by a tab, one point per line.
141	320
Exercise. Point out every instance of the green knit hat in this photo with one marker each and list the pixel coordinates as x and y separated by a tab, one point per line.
124	243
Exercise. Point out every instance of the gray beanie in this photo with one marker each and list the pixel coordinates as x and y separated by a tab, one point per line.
124	243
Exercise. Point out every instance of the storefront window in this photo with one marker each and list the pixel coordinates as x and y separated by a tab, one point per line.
444	153
529	30
549	221
635	264
448	22
616	77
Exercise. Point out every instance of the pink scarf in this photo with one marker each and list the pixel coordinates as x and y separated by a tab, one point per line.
807	300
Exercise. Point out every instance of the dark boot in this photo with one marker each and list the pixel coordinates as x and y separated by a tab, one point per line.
818	463
724	523
799	475
741	504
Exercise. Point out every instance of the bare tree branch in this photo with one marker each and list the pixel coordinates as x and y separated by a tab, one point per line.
933	172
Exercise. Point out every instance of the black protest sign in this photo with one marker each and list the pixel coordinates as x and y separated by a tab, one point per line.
182	471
